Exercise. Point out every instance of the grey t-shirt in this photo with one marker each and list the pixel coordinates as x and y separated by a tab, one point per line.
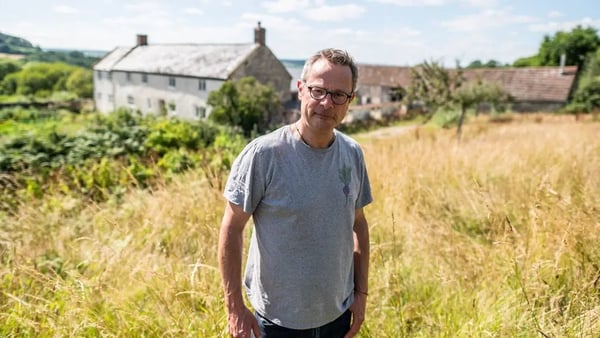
299	272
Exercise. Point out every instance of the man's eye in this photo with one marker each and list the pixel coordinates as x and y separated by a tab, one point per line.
318	92
339	95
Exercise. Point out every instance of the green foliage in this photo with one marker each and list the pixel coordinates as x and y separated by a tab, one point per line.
489	64
530	61
113	152
81	83
246	103
168	134
176	161
40	80
576	45
440	89
8	66
588	96
433	85
591	68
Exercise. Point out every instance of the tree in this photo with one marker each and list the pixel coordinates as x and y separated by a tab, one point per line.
81	83
489	64
40	80
8	66
437	87
576	45
245	103
530	61
433	85
472	94
587	94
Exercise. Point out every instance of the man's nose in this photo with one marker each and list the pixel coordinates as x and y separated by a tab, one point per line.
327	101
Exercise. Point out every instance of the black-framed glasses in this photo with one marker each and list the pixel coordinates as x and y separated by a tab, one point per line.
338	97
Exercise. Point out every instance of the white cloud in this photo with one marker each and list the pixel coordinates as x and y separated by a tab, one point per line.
481	3
142	15
285	6
553	27
485	20
555	14
193	11
63	9
423	3
413	3
334	13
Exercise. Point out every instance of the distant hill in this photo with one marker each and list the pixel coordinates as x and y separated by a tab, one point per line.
15	45
293	63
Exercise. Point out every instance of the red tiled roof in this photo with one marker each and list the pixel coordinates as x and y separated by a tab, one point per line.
389	76
546	84
529	83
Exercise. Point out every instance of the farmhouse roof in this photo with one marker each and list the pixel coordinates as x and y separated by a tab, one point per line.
547	84
389	76
198	60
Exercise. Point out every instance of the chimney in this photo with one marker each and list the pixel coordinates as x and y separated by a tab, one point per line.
259	35
142	40
563	58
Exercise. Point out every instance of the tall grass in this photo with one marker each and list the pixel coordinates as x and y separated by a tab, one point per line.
495	236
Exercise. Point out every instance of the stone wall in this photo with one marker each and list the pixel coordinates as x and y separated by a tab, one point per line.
267	69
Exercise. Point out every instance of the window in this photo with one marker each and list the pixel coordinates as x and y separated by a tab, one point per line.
145	78
98	96
128	77
130	99
171	82
172	109
200	112
109	75
149	101
99	75
111	98
202	85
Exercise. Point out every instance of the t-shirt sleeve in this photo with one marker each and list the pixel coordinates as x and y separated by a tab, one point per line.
245	184
364	194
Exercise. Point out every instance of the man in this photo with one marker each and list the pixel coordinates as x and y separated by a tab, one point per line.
305	186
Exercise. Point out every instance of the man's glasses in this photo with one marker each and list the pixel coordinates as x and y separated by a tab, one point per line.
319	94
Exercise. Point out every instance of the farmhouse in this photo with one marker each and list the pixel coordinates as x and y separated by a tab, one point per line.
175	79
532	88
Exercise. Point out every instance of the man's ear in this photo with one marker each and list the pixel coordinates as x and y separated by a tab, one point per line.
300	86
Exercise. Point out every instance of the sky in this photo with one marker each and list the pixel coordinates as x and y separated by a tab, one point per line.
382	32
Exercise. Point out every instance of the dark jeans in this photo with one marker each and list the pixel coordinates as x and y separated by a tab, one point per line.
336	329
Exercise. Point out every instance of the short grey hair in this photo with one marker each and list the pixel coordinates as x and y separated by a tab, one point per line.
335	56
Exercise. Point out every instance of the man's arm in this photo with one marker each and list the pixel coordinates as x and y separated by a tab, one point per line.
240	319
361	271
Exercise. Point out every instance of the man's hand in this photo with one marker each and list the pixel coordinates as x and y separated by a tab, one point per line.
242	323
357	308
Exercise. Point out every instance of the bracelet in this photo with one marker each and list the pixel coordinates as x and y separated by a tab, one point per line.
359	291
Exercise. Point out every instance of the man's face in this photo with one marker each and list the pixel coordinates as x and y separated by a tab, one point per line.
324	115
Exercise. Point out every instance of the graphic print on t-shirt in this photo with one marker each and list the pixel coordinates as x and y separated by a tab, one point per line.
345	176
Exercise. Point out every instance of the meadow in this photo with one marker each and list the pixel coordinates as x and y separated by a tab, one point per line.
493	236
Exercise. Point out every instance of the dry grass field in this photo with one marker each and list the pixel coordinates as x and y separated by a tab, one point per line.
495	236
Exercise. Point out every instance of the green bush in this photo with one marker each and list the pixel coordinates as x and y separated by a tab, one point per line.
588	96
114	152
